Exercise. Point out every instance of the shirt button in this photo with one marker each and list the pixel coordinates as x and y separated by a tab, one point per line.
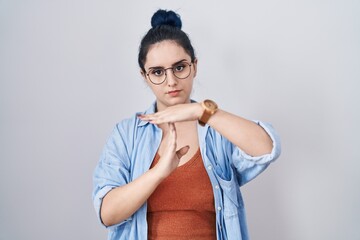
209	167
219	208
216	186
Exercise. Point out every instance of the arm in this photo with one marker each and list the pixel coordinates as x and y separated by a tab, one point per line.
249	136
121	202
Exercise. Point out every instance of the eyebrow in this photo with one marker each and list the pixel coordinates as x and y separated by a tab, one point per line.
157	67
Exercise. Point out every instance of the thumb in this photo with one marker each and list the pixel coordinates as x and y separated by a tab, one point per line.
182	151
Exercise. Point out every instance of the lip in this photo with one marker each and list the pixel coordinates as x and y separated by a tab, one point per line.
173	93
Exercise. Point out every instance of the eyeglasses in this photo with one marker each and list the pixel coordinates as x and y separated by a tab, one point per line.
158	75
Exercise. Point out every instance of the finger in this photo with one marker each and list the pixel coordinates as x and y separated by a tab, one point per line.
182	151
172	128
156	118
172	135
146	117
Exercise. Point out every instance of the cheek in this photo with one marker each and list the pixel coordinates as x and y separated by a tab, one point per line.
156	91
191	81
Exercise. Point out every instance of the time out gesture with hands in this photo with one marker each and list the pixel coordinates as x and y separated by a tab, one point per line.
171	158
175	142
250	137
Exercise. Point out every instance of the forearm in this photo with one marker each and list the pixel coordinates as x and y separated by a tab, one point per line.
247	135
120	203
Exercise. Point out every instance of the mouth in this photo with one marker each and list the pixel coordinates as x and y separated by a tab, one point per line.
174	93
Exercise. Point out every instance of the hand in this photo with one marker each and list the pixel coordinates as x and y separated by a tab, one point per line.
176	113
169	161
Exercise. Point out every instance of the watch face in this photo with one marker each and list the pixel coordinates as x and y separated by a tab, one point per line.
210	104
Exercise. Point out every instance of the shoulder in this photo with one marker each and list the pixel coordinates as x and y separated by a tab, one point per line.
127	123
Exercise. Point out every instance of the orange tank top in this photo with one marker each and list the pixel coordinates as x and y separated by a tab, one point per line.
182	206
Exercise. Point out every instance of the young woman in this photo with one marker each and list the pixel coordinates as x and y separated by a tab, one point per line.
174	171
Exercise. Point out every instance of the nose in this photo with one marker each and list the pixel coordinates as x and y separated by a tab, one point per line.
170	78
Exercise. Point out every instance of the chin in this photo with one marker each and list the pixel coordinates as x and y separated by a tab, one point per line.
179	100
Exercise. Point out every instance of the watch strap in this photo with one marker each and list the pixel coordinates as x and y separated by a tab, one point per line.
204	117
208	112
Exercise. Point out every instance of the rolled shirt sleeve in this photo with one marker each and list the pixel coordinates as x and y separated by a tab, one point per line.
248	167
112	169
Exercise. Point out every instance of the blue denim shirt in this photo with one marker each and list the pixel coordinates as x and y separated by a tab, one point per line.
130	151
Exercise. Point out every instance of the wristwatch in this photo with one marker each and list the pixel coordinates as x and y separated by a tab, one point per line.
210	107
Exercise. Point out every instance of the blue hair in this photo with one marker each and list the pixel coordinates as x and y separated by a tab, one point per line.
163	17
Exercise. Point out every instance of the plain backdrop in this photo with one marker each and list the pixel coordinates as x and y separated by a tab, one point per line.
68	74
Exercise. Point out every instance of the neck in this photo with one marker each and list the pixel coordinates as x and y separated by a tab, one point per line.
160	107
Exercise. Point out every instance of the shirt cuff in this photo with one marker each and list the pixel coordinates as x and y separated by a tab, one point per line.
98	202
276	150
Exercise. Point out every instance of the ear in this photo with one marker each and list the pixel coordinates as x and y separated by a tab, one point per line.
143	74
195	66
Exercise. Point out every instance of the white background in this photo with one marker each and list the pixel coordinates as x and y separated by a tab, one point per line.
68	73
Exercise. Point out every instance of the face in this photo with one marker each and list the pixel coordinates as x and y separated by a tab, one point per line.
164	55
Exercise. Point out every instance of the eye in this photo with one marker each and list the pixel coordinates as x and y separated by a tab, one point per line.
179	68
157	72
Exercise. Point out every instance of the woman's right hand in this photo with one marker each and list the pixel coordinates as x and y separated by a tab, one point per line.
170	158
121	202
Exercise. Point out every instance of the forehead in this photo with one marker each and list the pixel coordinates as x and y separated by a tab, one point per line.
165	54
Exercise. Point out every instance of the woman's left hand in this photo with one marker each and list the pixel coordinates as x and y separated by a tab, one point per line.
176	113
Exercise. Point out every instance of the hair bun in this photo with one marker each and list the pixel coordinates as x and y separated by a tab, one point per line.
163	17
